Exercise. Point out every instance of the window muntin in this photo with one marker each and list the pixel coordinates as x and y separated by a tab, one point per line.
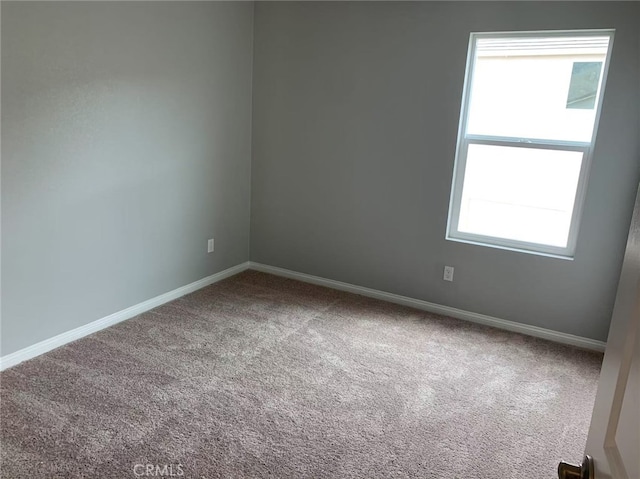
530	109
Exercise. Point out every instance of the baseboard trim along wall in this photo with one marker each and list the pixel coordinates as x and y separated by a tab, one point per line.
60	340
558	337
95	326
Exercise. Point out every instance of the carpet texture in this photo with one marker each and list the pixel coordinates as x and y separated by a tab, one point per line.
260	376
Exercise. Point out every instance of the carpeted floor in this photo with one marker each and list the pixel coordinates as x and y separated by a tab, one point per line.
259	376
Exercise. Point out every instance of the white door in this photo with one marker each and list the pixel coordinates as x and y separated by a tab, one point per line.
614	435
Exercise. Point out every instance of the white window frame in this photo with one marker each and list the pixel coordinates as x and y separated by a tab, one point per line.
464	140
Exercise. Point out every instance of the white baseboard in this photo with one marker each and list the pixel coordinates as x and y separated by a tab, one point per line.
82	331
60	340
564	338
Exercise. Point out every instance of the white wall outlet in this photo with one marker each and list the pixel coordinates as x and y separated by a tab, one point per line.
210	246
448	273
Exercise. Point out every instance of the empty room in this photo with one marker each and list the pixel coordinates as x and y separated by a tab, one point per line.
309	239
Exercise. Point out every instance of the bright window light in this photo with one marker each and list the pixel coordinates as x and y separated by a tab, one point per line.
528	121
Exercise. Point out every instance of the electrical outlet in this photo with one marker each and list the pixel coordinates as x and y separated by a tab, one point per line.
448	273
210	246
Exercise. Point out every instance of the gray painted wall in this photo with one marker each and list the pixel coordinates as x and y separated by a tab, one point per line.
126	143
355	117
125	146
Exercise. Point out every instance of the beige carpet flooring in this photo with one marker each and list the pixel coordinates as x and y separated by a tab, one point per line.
259	376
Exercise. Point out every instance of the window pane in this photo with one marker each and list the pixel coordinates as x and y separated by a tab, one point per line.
517	193
537	87
585	78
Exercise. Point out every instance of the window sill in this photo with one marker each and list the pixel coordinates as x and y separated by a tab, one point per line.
509	248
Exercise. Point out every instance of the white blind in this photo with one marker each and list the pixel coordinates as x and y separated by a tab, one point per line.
539	45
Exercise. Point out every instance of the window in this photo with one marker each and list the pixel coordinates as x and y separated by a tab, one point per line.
529	115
